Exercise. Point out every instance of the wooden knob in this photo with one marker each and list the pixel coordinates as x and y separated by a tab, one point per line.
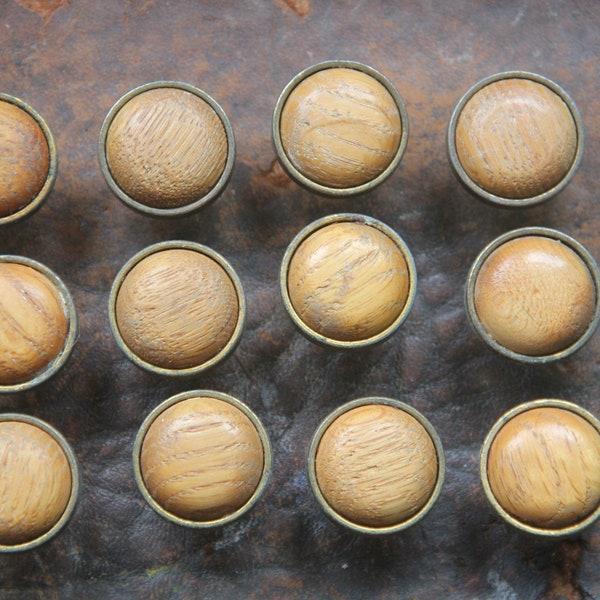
24	158
535	296
202	459
376	465
516	138
543	467
166	148
348	281
35	485
340	127
33	322
177	308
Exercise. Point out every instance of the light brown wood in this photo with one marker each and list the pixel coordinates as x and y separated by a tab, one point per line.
535	296
348	281
516	138
177	309
202	459
33	323
24	158
376	465
166	148
35	482
340	127
544	467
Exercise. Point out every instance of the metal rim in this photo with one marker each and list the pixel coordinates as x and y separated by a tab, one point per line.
260	488
554	533
179	211
75	481
347	218
481	192
185	245
46	188
314	484
552	234
70	312
311	185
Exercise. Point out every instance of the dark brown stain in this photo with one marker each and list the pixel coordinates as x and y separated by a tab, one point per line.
300	7
275	175
44	8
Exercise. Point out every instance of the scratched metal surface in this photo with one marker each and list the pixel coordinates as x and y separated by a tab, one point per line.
72	61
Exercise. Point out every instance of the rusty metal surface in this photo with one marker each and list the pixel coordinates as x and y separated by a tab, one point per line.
71	61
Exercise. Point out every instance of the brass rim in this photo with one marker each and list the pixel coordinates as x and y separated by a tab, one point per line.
552	234
70	312
179	211
260	488
75	481
481	192
483	471
314	484
347	218
226	351
304	181
46	188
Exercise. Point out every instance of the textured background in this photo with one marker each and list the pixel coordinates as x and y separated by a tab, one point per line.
71	61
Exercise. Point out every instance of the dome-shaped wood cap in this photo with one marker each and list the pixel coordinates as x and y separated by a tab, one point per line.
177	308
28	160
348	281
540	467
38	323
202	459
533	294
166	149
515	139
376	465
39	482
340	128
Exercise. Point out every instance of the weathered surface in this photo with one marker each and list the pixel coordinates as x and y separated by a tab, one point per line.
71	62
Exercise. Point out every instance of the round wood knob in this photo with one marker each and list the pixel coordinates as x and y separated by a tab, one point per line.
36	483
202	459
516	138
543	467
167	147
349	281
535	296
34	323
24	158
178	308
339	127
376	466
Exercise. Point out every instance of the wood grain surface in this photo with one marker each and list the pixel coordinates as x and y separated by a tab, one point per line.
376	465
516	138
544	467
340	127
202	459
348	281
33	323
24	158
535	296
176	309
35	486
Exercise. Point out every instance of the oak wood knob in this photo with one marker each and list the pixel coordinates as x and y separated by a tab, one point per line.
348	281
340	127
535	296
516	138
166	147
33	322
24	158
376	465
177	308
202	459
35	482
543	467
